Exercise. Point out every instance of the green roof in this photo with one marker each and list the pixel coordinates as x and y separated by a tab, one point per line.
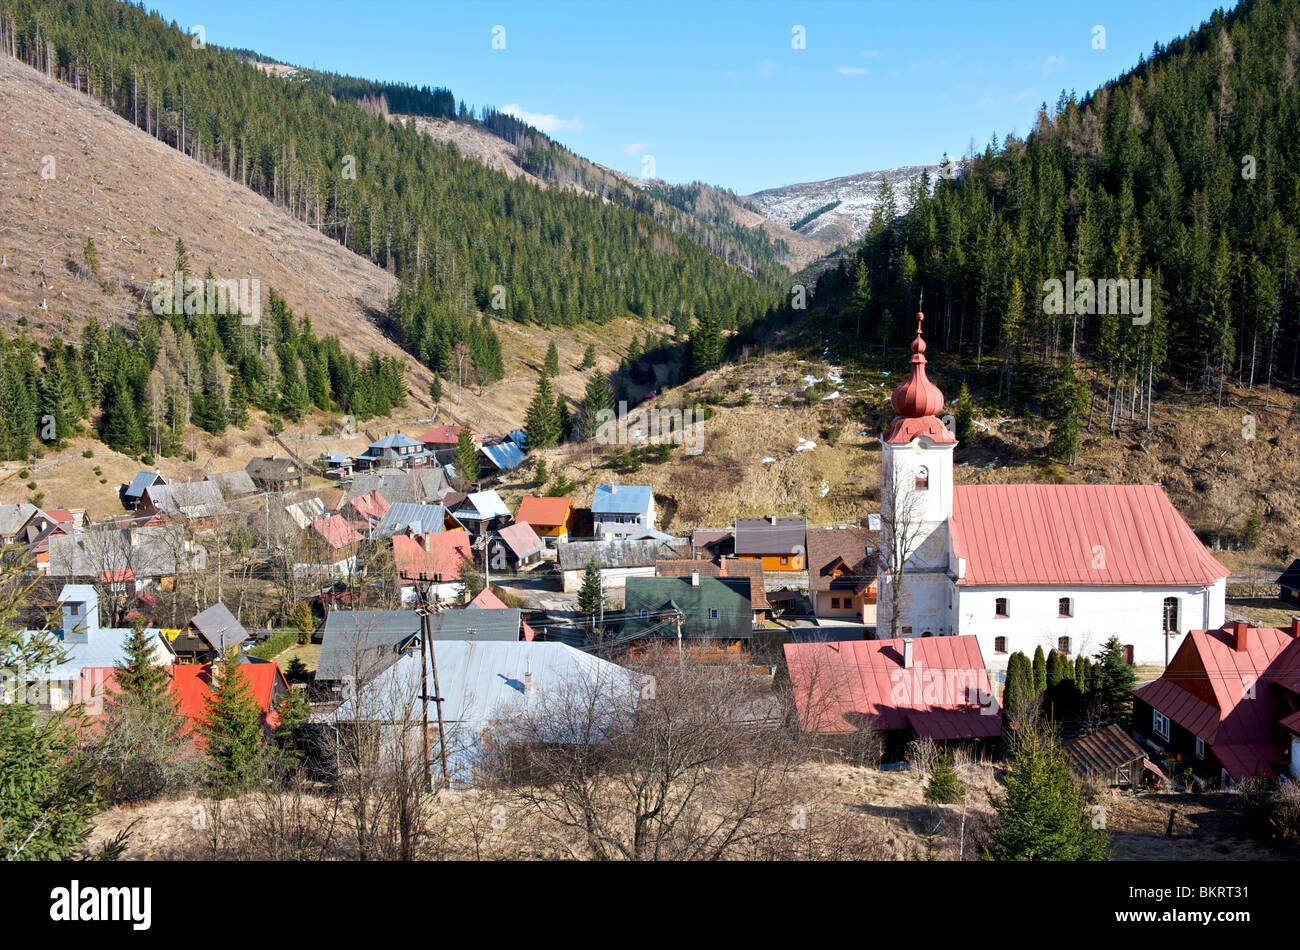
658	597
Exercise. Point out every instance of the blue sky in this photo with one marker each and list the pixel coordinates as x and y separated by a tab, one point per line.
717	91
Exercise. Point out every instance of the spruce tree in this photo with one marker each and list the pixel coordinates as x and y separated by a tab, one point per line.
1040	670
539	421
965	414
467	461
588	357
945	786
232	730
551	367
1041	815
591	596
1114	681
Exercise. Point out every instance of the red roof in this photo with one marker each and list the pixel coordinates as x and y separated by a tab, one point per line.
120	575
1224	695
486	600
60	514
372	506
336	531
849	684
521	538
1085	535
442	560
544	511
446	435
192	683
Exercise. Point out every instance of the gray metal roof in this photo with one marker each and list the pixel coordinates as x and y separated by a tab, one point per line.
420	518
764	536
369	640
141	481
238	482
574	555
402	485
219	627
188	499
13	517
149	551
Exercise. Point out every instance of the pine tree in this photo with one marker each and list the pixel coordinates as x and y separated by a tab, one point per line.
1114	681
965	414
591	596
232	730
945	786
1040	670
291	714
467	461
539	421
588	357
122	430
90	257
706	346
1019	698
1068	405
597	399
182	263
1055	672
551	367
435	390
1041	815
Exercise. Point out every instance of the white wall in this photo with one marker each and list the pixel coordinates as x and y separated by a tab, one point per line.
610	578
1135	615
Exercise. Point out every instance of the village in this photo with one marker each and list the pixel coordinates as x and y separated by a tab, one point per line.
946	621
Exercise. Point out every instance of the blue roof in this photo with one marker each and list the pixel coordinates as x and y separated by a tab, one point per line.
621	499
395	441
141	481
421	518
504	455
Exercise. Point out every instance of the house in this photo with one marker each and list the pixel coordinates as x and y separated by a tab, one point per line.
431	559
369	507
483	684
208	635
406	517
1288	583
394	451
331	549
335	465
403	485
446	436
197	504
905	688
842	573
84	644
236	484
778	543
481	511
275	474
1110	755
192	685
514	547
550	517
697	607
616	560
723	567
133	492
1228	703
359	644
1063	567
134	557
500	456
713	542
486	600
620	510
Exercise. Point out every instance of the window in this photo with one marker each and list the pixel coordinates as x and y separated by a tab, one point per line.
1160	724
1001	608
1065	607
1063	645
644	613
1171	613
1200	748
74	609
999	644
907	631
1128	654
785	560
713	613
923	478
835	603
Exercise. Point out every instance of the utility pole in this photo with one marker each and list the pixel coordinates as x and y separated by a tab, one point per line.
424	692
427	606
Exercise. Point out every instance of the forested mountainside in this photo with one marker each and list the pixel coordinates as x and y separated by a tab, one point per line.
1182	172
382	189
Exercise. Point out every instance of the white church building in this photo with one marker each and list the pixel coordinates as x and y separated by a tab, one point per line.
1063	567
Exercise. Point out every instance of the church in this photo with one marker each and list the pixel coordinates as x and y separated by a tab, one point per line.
1064	567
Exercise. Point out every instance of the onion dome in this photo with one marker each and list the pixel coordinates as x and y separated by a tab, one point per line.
917	401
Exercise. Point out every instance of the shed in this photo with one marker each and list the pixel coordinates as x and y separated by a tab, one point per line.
1110	753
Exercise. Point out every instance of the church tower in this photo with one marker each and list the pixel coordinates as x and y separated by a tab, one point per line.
915	505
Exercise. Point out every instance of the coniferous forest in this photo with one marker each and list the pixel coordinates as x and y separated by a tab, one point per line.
1180	172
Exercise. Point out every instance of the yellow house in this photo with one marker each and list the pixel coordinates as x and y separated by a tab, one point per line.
551	518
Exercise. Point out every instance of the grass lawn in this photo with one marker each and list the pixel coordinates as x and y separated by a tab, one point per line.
309	653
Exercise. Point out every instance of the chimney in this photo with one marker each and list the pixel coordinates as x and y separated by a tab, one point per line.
695	578
907	653
425	542
528	678
1295	627
1242	630
771	519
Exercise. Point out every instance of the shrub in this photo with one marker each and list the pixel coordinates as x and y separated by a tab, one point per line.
274	645
946	786
88	454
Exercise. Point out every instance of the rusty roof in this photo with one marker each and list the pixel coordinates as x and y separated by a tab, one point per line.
720	567
1103	751
827	547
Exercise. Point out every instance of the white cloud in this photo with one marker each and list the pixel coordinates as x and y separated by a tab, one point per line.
851	70
1051	63
767	68
635	148
871	53
542	121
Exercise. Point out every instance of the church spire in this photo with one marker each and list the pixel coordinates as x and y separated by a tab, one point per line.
917	401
